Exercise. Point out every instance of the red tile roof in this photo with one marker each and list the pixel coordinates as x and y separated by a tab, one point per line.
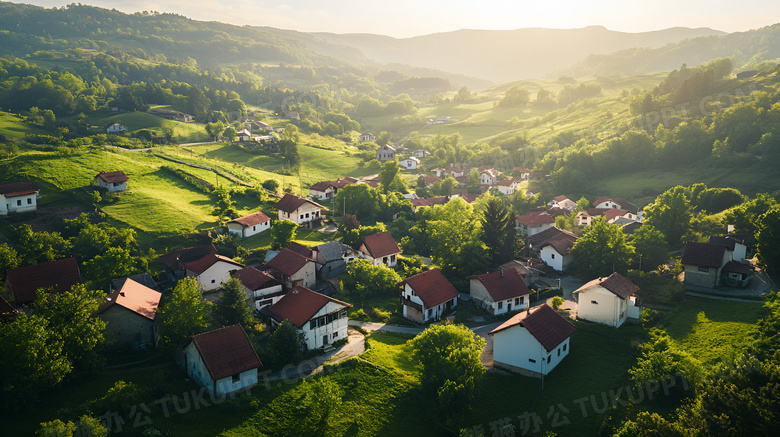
300	305
287	262
58	275
302	250
560	240
703	255
226	352
520	170
432	287
201	265
175	259
135	297
290	202
254	279
544	323
321	186
726	241
560	198
616	283
614	213
506	182
737	267
532	191
596	212
14	189
503	284
251	220
416	203
535	219
430	179
380	244
113	176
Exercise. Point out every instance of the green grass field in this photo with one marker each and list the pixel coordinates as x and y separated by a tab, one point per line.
13	127
134	121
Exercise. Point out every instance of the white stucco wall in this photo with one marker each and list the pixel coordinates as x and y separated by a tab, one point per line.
197	370
304	214
480	294
608	204
554	259
428	313
214	276
335	330
244	232
516	347
306	275
389	261
608	308
533	230
18	204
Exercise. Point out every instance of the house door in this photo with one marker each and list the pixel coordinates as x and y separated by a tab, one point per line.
324	340
509	307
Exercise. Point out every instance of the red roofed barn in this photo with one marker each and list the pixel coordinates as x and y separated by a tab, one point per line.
427	296
222	360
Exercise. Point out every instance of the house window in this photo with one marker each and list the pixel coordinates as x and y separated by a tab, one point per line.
236	378
564	348
19	202
29	201
500	305
594	302
313	324
549	358
704	269
559	352
335	335
430	312
552	256
531	360
517	301
254	228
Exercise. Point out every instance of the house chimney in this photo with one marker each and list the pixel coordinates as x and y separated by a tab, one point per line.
730	229
502	273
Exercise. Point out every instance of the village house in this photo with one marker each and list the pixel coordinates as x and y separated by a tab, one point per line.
385	153
521	173
321	320
438	171
612	215
438	120
525	269
410	163
261	288
299	210
534	223
488	176
379	248
328	189
718	263
367	137
507	187
427	296
249	225
22	283
532	342
608	202
222	360
453	171
244	135
292	269
609	301
144	279
113	181
209	268
531	192
18	197
334	256
292	115
116	128
554	247
562	202
431	201
421	153
429	179
499	292
130	314
174	115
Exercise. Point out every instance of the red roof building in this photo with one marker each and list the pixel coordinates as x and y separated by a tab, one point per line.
299	210
499	292
54	277
292	269
129	313
379	248
321	319
532	342
18	197
249	225
427	296
222	360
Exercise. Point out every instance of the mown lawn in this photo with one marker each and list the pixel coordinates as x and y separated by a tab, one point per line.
713	330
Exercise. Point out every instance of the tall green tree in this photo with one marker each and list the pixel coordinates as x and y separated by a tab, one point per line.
116	262
390	178
9	259
745	217
670	214
186	314
364	279
233	306
650	244
768	245
283	346
602	249
40	247
283	233
498	231
451	367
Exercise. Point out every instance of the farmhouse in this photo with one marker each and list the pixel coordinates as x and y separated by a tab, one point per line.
112	181
507	186
521	173
319	318
534	223
261	288
525	269
130	312
385	153
328	189
499	292
429	179
427	296
116	128
609	301
487	176
720	262
562	202
367	137
53	277
244	135
410	163
421	153
249	225
554	247
203	263
298	210
431	201
222	360
292	269
379	248
18	197
292	115
532	342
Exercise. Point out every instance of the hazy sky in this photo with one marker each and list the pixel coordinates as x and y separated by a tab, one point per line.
404	18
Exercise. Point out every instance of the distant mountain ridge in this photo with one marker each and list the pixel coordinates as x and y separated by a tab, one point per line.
507	55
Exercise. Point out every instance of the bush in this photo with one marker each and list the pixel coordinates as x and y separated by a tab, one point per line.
650	318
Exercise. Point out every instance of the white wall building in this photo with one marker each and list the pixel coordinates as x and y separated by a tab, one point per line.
609	301
18	197
113	181
249	225
427	296
299	210
410	163
261	288
211	271
499	292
